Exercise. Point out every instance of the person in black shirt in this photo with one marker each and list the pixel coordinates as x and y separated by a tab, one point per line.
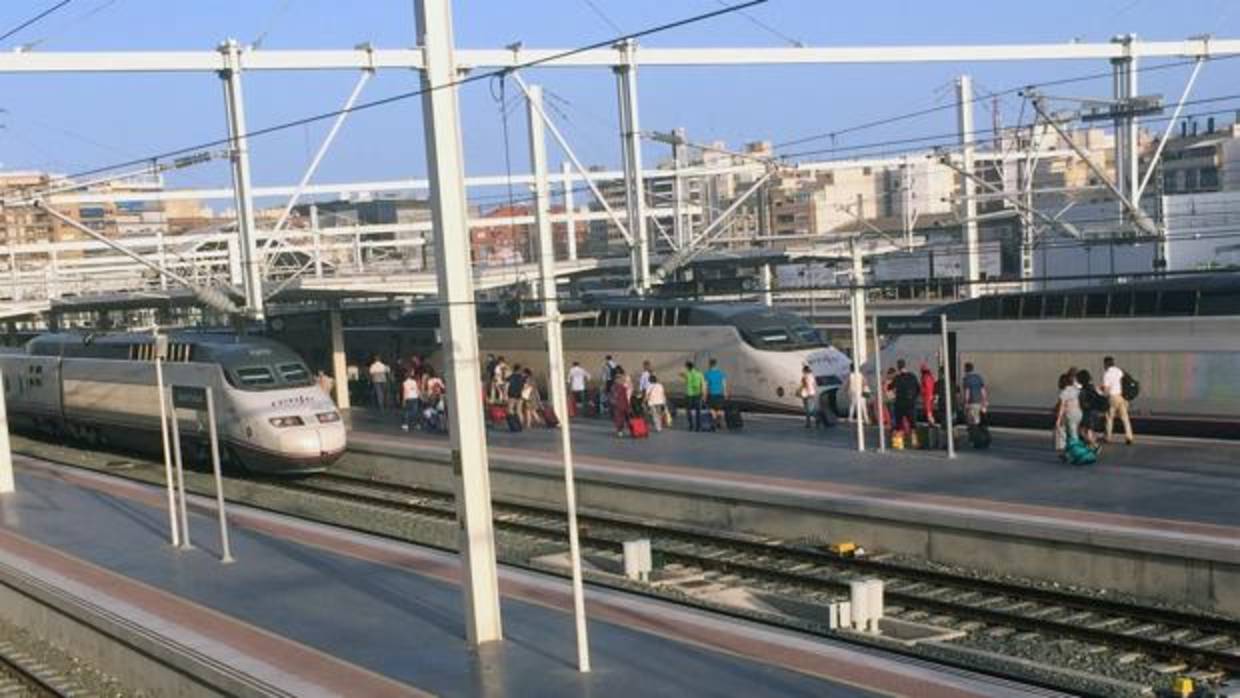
515	383
907	388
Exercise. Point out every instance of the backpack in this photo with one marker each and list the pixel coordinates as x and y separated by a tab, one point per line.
1077	452
1130	387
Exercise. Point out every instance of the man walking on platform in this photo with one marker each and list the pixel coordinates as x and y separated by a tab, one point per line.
379	374
578	380
1113	386
695	384
856	395
976	397
716	393
907	388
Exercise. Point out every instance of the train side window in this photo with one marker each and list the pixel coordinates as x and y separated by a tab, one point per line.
991	308
1096	305
1121	304
1031	308
1076	305
1218	304
1145	303
1009	307
656	317
294	373
1054	306
1178	303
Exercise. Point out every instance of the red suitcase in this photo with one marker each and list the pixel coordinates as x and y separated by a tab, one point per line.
498	413
637	426
548	415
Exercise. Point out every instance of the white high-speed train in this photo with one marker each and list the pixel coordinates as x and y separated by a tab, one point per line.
761	349
271	414
1179	337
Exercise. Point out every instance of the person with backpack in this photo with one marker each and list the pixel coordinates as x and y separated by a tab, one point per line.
656	403
1093	407
1113	385
907	389
1067	414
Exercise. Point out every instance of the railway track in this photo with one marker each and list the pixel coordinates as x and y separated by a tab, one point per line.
805	573
21	675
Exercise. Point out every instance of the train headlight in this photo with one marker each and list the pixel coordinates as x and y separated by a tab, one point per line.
291	421
779	392
328	417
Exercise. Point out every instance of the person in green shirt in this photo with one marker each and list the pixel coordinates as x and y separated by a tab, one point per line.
695	388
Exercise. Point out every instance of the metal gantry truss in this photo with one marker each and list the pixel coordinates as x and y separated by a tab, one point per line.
261	262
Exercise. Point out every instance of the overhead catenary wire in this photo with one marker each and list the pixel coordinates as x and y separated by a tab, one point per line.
34	19
410	94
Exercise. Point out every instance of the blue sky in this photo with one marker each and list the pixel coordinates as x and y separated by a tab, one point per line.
74	122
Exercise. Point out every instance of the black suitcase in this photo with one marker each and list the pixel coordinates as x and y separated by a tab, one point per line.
979	436
514	423
732	418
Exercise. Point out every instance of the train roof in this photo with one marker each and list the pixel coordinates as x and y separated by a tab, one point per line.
505	314
224	348
1212	294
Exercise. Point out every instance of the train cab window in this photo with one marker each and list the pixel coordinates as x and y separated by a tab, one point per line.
1096	305
1031	307
1178	303
295	374
1076	306
1145	303
1054	306
1121	304
255	377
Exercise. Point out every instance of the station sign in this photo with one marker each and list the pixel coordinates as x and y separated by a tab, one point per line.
189	397
910	324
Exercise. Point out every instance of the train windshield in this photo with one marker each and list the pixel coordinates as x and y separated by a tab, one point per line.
286	375
776	331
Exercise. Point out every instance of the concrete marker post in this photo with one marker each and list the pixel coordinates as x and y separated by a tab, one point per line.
880	406
225	550
947	391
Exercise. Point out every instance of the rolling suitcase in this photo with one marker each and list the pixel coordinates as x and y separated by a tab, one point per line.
732	418
979	436
497	413
638	428
514	422
1077	452
549	418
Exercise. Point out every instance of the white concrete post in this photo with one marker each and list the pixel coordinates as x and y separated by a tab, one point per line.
457	320
768	296
555	355
340	367
947	391
626	76
163	259
225	549
972	262
570	222
159	346
680	231
247	230
6	454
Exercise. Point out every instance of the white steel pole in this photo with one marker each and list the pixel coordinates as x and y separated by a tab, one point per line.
627	76
964	95
179	463
555	354
570	223
225	549
247	229
880	397
679	229
340	367
450	217
173	528
768	296
947	391
858	336
6	453
318	241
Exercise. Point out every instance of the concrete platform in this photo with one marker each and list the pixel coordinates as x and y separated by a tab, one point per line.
313	610
1158	519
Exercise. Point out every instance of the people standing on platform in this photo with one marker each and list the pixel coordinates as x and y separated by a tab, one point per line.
695	386
856	395
499	380
656	403
1093	407
531	401
643	379
578	383
619	396
607	376
887	397
1117	405
976	396
513	387
928	385
379	374
434	401
1068	414
716	393
907	388
325	382
808	392
411	400
488	370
